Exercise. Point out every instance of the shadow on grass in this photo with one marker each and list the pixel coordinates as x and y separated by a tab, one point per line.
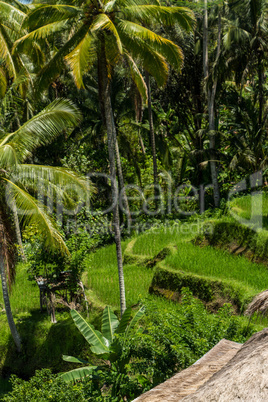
43	344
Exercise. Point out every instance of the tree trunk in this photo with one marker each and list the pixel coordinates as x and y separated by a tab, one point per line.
151	124
141	143
121	182
211	94
109	122
10	319
18	232
261	97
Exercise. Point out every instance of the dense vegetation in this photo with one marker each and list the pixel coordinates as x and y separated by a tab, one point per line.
133	140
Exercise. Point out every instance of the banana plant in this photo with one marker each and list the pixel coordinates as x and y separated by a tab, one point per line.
105	344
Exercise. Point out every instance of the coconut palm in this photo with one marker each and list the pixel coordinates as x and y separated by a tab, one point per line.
101	34
18	180
246	43
13	65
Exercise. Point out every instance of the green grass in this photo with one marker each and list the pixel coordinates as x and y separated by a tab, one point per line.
43	342
42	347
207	262
215	263
103	278
153	241
245	207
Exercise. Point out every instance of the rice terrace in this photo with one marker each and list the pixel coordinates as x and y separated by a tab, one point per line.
133	201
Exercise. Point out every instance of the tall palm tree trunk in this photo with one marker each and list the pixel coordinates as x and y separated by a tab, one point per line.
109	121
121	181
152	134
261	97
211	94
18	232
151	124
10	319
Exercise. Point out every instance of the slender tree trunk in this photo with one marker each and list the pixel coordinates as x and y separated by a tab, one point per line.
141	143
109	121
211	94
121	181
10	319
261	97
138	115
151	124
17	228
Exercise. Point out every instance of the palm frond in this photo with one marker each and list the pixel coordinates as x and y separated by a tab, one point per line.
8	11
46	14
43	127
25	42
55	66
167	16
81	58
20	6
146	38
137	77
3	83
31	212
61	178
6	51
8	157
103	23
235	35
152	61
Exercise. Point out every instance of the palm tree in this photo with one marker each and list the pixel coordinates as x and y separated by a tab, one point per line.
18	178
246	44
13	65
102	34
211	95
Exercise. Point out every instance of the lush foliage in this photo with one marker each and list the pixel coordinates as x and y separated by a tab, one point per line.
44	387
149	94
184	333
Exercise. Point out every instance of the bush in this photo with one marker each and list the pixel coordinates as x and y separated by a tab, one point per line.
171	337
45	386
175	335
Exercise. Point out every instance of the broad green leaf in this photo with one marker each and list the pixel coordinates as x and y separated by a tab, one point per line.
109	324
124	321
100	351
72	359
78	374
92	336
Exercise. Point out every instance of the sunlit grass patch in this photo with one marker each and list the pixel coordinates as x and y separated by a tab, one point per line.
215	263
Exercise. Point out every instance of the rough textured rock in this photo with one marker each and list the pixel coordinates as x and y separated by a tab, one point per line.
259	304
243	378
188	381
